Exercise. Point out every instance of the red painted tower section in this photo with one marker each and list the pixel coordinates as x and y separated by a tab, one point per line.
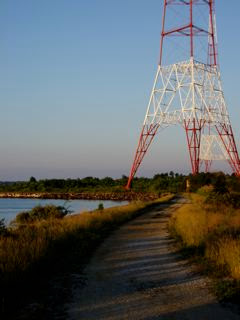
183	21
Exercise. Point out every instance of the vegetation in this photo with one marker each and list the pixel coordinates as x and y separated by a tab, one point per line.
208	228
3	229
159	183
46	240
166	182
39	212
42	243
100	206
218	180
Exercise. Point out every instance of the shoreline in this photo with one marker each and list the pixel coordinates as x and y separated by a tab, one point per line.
123	196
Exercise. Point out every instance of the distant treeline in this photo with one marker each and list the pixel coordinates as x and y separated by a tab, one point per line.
222	182
163	182
160	182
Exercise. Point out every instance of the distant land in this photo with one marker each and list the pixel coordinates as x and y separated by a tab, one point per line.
95	188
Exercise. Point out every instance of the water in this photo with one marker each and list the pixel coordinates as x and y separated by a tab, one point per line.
10	207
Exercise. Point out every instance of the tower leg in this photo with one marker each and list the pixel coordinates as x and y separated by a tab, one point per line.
226	134
207	164
146	137
193	129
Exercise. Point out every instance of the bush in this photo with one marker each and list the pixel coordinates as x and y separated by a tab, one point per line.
3	229
49	211
229	199
218	199
100	206
205	190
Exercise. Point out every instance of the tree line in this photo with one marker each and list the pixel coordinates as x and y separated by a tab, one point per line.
171	181
161	182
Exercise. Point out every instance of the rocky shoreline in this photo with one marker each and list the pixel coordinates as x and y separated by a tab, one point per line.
123	196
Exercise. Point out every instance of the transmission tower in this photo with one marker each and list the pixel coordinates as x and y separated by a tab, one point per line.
187	89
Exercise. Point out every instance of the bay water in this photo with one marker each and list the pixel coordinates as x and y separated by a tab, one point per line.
10	207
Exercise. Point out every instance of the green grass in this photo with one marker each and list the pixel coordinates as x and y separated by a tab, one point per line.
33	252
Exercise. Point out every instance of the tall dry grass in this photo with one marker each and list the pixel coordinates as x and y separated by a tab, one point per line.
214	228
30	251
225	253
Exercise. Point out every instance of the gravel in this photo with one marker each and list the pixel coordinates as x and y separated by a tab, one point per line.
137	273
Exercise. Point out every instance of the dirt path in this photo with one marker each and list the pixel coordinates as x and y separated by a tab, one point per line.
137	274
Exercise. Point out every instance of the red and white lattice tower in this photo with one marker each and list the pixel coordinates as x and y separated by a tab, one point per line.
187	89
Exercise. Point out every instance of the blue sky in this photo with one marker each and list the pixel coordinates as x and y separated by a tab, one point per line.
75	81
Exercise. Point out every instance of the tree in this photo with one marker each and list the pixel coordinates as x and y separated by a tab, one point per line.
171	173
220	184
32	180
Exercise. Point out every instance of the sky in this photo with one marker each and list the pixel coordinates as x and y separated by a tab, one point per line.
75	82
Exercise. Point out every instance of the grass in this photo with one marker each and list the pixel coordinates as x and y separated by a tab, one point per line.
211	233
32	252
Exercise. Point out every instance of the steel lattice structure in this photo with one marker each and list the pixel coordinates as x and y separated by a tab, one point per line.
189	91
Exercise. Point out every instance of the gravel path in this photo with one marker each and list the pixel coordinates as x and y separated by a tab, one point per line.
137	274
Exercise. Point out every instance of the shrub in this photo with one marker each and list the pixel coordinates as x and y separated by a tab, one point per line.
41	213
218	199
100	206
205	190
230	199
220	184
3	229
